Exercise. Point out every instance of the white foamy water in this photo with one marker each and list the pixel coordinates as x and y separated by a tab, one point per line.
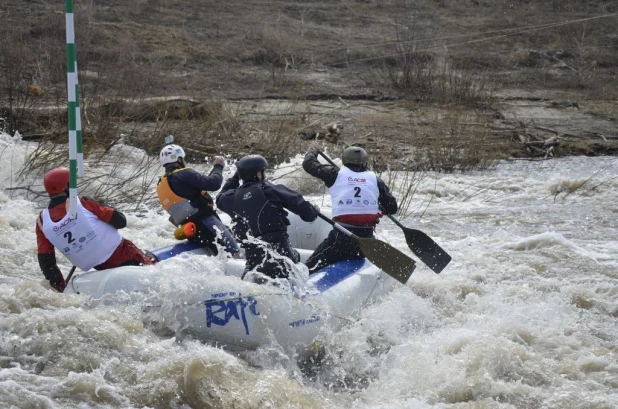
525	316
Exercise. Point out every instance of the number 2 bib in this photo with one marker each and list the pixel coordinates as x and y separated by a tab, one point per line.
355	193
86	241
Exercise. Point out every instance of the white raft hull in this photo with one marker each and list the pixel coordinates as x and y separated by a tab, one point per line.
242	316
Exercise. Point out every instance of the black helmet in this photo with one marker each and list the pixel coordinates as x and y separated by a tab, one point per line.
249	166
354	156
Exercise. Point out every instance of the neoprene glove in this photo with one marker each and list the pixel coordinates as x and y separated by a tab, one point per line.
58	283
219	161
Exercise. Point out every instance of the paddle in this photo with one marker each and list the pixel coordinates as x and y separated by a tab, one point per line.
424	247
384	256
68	280
421	244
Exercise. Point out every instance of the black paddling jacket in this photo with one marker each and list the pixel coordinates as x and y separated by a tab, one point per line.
190	184
259	208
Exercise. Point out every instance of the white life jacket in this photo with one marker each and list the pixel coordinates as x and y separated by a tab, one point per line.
86	241
355	193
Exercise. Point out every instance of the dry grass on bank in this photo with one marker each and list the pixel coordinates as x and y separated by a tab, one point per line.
136	58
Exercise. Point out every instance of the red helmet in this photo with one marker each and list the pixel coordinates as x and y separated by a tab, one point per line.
56	180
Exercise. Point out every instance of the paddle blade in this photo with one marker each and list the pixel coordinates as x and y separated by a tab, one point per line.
387	258
426	249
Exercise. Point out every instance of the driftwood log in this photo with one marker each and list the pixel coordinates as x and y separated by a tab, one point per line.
543	148
329	134
535	140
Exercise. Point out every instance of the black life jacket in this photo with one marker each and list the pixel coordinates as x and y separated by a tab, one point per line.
256	215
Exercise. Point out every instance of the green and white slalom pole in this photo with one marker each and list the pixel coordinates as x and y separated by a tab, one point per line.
76	155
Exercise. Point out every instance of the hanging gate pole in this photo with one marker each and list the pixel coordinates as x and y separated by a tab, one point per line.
76	155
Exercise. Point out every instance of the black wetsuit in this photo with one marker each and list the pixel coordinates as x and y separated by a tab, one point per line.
259	211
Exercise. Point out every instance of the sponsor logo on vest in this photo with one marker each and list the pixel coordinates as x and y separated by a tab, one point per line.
82	239
365	202
66	249
361	180
349	201
246	196
341	202
64	224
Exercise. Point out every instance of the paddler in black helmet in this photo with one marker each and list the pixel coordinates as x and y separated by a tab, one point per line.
258	208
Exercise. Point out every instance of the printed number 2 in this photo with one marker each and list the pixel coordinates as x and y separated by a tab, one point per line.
69	237
357	190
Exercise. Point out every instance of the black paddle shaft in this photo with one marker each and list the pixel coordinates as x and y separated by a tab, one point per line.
68	280
423	246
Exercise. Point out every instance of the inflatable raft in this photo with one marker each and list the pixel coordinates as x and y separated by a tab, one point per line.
239	315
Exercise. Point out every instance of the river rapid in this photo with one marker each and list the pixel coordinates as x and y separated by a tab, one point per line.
525	316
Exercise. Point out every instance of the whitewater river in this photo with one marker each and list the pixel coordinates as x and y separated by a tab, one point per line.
525	316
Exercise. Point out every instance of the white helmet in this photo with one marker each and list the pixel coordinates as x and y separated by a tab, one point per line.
171	154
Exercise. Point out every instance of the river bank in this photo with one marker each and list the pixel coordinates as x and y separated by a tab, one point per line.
444	85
